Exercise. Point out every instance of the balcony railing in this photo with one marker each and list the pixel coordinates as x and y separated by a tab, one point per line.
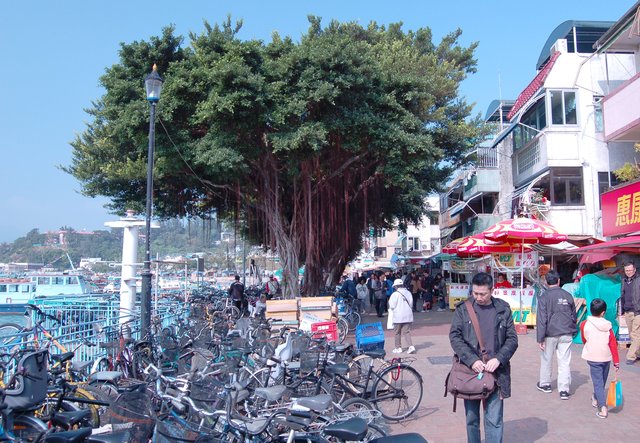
486	158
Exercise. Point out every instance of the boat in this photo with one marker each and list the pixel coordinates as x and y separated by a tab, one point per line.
15	293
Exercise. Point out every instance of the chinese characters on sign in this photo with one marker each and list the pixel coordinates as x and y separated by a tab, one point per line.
621	210
516	261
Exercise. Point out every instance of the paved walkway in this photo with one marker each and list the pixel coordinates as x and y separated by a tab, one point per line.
530	415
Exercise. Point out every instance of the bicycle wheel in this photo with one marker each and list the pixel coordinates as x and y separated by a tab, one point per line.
9	337
232	312
343	329
399	396
27	428
353	319
360	407
359	369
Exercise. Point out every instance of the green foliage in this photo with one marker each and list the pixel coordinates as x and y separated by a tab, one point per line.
628	172
311	142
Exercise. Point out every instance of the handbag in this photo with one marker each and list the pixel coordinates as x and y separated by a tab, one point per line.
614	395
462	381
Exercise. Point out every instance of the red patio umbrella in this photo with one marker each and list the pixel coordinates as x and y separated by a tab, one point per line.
451	247
524	231
477	244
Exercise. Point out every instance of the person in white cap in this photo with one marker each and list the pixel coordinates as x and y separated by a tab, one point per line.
400	303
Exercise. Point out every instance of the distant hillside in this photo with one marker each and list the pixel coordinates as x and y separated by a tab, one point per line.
174	237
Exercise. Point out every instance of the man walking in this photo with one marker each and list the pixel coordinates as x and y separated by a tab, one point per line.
555	328
630	303
236	291
501	341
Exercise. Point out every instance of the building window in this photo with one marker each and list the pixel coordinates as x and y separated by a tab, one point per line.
563	108
606	181
531	123
597	113
414	243
566	186
528	158
381	253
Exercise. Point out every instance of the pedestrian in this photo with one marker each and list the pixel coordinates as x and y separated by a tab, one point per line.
372	298
415	291
630	307
402	312
499	336
600	347
363	295
236	292
272	287
379	294
555	328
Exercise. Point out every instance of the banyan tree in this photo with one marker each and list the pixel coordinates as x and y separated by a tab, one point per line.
310	143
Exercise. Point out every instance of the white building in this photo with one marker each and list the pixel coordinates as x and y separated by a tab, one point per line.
552	158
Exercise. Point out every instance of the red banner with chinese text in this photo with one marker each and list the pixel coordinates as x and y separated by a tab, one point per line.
621	210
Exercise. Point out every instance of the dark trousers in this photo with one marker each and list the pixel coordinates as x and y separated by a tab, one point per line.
416	297
599	374
380	305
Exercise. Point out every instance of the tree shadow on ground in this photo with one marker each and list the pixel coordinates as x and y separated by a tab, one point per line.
424	345
528	429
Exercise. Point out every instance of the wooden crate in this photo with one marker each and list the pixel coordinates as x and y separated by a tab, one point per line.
315	303
282	305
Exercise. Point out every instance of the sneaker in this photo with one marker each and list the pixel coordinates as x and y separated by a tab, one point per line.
544	388
564	395
440	310
411	350
397	350
594	402
602	412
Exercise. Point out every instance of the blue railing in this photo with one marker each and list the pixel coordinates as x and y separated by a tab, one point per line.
96	319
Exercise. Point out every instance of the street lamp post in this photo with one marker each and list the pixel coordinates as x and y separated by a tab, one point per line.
153	86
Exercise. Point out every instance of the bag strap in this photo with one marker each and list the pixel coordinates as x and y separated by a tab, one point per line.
476	327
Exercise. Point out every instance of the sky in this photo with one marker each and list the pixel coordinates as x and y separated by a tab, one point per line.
54	52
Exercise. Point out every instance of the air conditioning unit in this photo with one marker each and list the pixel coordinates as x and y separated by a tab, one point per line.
559	46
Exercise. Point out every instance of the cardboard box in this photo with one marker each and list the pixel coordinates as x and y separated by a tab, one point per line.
307	318
284	316
315	303
282	305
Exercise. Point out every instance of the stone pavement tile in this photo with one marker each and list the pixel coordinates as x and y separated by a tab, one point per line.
530	415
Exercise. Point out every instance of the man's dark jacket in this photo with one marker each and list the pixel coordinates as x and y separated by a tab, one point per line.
236	290
634	288
556	314
465	343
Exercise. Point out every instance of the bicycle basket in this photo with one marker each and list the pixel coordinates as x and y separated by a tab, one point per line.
309	361
206	389
131	411
299	343
201	358
172	429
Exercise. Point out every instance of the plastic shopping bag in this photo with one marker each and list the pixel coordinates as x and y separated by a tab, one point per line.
614	396
390	319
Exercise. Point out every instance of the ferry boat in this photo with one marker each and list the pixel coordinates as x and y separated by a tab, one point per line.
16	292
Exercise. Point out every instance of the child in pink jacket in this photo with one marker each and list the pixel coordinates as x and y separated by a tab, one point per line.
600	347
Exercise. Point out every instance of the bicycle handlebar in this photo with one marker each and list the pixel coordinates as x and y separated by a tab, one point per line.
41	313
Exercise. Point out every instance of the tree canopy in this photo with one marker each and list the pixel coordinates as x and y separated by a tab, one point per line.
310	142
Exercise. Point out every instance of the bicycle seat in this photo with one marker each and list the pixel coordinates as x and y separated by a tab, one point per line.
112	437
61	358
272	393
68	419
338	369
106	376
342	347
401	438
76	436
317	403
353	429
80	366
378	353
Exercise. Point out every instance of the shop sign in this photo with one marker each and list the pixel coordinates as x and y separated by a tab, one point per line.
512	296
519	260
621	210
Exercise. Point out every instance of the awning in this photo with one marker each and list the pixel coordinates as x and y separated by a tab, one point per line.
447	231
606	250
399	241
